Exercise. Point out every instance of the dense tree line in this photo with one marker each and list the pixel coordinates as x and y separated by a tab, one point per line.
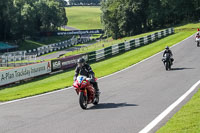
129	17
22	18
84	2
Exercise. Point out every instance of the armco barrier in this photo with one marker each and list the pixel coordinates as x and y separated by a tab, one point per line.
8	57
58	46
123	47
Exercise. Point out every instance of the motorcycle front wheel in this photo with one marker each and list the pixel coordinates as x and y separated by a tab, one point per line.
83	100
166	65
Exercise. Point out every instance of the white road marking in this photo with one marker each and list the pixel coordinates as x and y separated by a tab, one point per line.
152	124
99	78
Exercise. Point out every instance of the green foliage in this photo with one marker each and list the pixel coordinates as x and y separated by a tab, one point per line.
21	18
130	17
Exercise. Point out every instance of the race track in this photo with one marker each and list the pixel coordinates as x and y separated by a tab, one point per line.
130	99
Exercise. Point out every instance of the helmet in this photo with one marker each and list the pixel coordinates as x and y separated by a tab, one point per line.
167	47
81	62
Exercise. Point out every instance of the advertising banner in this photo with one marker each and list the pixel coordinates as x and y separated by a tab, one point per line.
56	65
71	61
81	32
21	73
74	32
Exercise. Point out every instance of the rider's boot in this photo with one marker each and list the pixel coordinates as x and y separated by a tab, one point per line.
96	89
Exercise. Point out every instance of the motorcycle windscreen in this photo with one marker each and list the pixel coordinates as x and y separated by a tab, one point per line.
81	78
166	55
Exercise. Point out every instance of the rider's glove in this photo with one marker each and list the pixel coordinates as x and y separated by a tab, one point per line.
75	78
92	78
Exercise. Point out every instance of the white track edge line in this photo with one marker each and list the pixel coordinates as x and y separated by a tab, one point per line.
3	103
160	117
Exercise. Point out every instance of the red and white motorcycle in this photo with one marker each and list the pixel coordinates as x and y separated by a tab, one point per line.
86	91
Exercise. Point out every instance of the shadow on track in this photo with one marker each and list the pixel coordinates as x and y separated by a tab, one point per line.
182	68
111	105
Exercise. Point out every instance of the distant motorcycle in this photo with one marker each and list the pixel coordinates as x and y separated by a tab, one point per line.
198	41
86	91
167	61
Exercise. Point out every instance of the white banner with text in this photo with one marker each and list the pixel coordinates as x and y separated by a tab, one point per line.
21	73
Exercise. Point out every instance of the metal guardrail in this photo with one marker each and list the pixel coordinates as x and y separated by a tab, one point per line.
123	47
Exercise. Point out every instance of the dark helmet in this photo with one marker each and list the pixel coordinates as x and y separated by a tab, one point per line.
167	48
81	60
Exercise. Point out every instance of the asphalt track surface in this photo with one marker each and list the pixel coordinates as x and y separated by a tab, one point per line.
130	99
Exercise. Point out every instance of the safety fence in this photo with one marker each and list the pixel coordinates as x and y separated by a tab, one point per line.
57	46
125	46
12	59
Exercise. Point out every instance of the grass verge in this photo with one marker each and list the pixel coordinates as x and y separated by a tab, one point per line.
62	80
186	120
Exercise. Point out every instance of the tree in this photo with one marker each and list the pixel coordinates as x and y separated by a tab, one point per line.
21	18
6	16
122	17
129	17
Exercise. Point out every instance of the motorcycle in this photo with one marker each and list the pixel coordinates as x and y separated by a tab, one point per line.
198	41
167	61
86	91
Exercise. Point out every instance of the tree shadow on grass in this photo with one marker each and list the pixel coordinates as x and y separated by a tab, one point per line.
110	105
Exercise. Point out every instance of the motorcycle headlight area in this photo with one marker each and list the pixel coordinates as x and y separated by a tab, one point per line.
80	79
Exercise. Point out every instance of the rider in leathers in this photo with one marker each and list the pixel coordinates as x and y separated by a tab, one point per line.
84	69
197	35
167	50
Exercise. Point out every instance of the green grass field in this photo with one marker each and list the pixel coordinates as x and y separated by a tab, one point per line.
84	17
62	80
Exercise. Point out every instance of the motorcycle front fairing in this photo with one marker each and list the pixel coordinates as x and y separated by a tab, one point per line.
81	84
78	84
76	87
197	39
166	57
